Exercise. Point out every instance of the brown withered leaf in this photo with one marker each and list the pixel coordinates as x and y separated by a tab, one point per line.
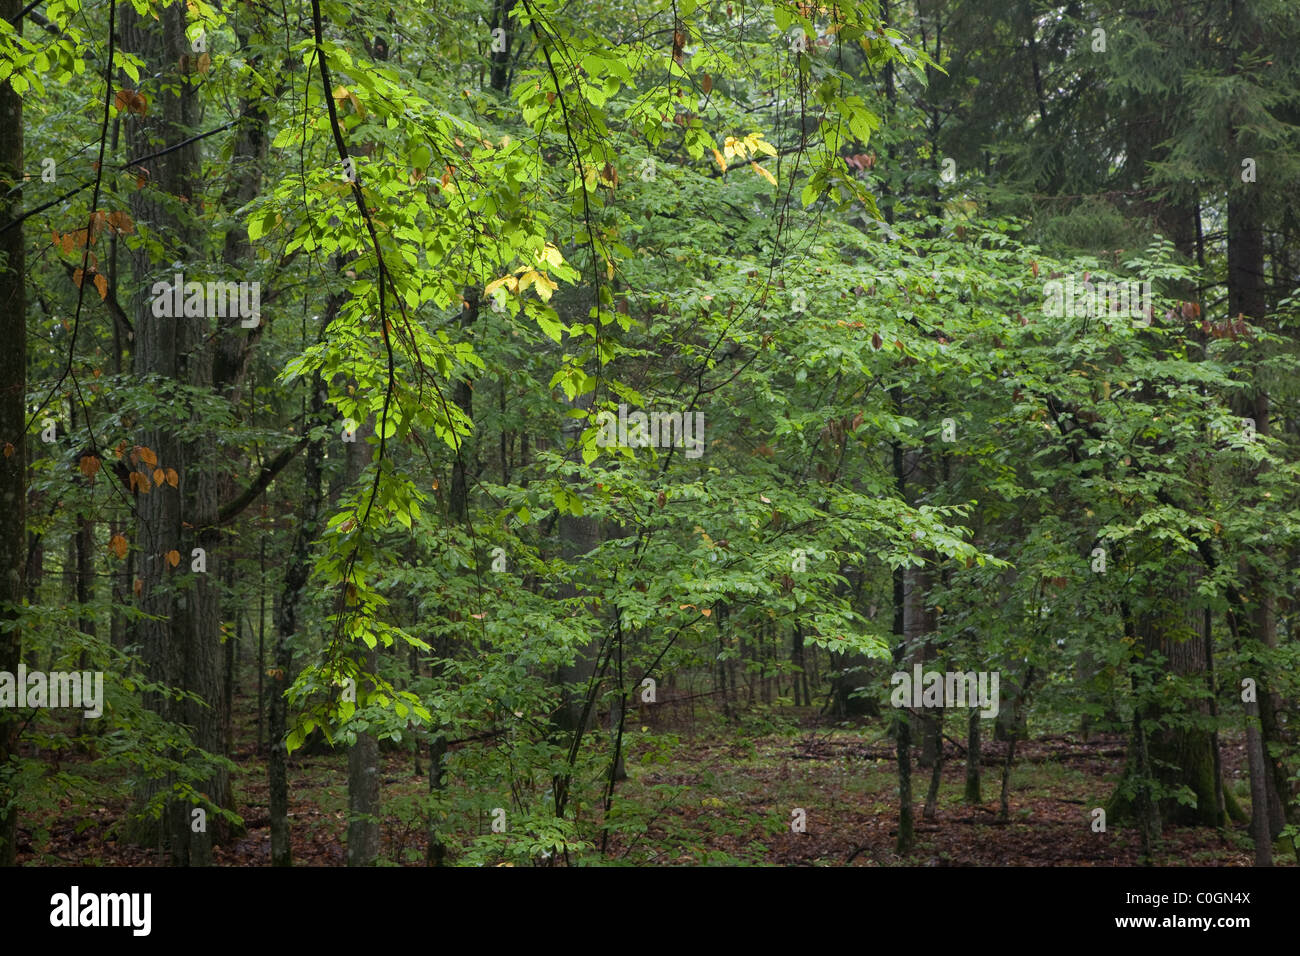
173	479
146	455
131	101
121	223
117	544
89	464
173	557
159	476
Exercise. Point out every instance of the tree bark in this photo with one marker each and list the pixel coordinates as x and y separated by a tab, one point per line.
973	795
1188	751
297	572
363	756
13	428
902	657
181	639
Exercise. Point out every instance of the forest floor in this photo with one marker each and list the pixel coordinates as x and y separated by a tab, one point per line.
715	792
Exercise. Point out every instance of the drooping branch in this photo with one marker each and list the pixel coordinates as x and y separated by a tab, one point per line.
235	507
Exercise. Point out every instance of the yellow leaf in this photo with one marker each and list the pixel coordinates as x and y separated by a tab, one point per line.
764	173
146	455
545	286
173	479
763	146
173	557
159	476
718	156
553	256
706	612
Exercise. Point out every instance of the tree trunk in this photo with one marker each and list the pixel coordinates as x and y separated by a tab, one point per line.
903	626
363	790
1137	774
436	852
296	574
363	756
181	640
936	774
973	795
1189	750
13	428
1247	297
579	535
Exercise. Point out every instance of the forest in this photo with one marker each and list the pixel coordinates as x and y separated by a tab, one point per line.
681	433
